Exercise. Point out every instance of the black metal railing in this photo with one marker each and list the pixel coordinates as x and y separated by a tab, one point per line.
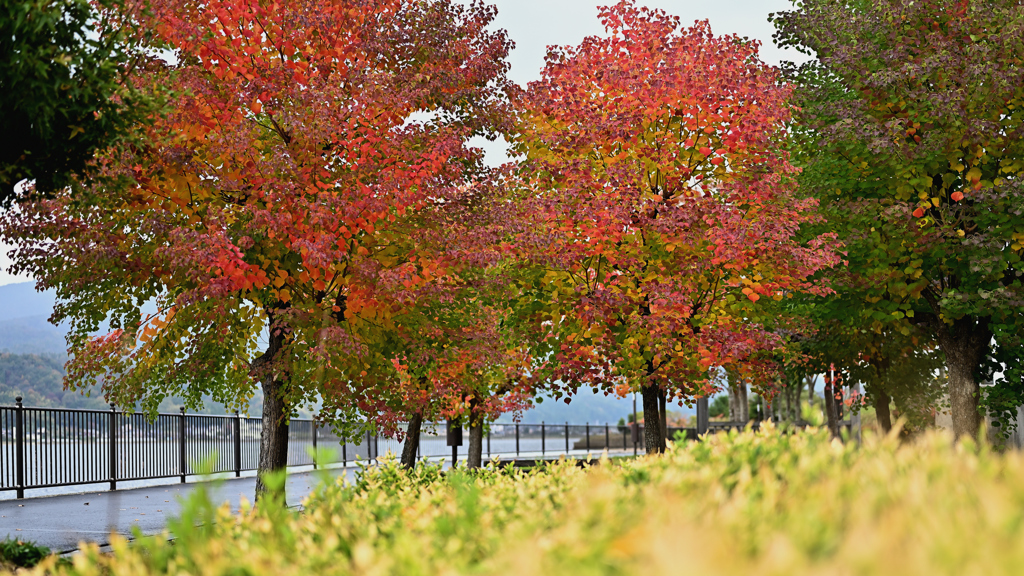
53	447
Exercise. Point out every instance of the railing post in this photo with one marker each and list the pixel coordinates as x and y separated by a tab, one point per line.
453	437
488	443
376	445
113	446
566	437
19	438
238	444
344	452
607	438
542	439
181	444
702	416
588	436
517	440
314	444
368	457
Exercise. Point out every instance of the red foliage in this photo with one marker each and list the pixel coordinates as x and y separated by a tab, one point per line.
666	205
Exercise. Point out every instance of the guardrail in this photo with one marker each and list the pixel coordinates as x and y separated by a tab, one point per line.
54	447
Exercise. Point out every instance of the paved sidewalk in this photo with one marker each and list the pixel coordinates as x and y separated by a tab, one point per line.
61	522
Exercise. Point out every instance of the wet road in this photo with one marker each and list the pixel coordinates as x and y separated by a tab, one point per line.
61	522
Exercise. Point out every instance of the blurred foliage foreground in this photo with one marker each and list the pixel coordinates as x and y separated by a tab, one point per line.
749	503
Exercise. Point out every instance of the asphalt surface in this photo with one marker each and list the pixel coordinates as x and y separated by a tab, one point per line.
62	522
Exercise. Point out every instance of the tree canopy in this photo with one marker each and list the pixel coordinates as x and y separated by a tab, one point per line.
666	207
910	135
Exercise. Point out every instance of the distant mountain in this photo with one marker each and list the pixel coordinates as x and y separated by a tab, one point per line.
21	300
38	379
587	407
24	328
31	335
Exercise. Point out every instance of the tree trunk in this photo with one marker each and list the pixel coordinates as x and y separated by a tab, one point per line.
882	410
963	396
474	458
412	441
810	388
831	414
654	441
798	394
744	402
274	436
663	401
964	344
737	396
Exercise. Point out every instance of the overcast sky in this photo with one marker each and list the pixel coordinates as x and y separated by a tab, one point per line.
536	24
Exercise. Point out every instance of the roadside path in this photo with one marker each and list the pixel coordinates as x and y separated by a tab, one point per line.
61	522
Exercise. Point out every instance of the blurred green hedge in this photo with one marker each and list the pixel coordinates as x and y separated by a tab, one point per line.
762	503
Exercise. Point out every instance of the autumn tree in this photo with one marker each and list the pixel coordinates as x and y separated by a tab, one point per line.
665	208
910	133
275	214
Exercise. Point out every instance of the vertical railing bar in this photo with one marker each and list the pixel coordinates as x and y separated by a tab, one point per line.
66	476
32	471
19	434
113	447
97	449
89	472
517	440
314	444
40	467
65	451
566	437
85	423
181	444
543	446
588	436
48	446
238	444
